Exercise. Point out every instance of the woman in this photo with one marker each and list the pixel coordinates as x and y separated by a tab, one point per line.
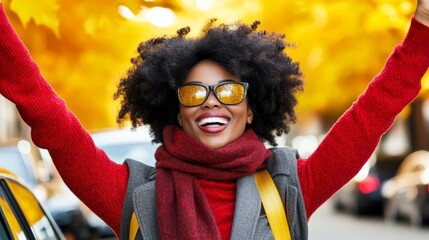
211	102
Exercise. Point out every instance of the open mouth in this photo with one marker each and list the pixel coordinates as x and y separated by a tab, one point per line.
212	122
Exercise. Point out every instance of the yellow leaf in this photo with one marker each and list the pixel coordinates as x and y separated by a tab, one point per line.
425	82
134	5
43	12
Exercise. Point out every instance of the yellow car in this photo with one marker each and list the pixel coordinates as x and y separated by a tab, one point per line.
21	214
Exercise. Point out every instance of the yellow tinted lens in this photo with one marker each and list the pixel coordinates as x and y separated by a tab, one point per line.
192	95
231	93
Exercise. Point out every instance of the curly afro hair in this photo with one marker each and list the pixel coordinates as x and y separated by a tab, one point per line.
148	92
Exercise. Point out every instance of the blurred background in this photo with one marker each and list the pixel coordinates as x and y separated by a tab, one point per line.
83	48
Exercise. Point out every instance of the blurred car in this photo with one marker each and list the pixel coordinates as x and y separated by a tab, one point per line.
18	157
22	216
70	215
118	144
362	195
407	194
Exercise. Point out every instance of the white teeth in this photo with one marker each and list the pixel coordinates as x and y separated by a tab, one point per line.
212	120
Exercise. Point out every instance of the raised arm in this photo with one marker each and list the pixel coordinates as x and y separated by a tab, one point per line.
97	181
354	137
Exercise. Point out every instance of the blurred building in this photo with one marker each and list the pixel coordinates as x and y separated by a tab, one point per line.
11	125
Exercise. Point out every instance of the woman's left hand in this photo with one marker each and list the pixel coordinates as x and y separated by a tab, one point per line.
422	12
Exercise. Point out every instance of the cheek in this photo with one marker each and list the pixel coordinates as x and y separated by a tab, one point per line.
186	115
240	114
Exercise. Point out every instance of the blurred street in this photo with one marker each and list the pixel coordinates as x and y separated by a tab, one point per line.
328	224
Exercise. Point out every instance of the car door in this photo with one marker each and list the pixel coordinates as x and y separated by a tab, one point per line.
22	216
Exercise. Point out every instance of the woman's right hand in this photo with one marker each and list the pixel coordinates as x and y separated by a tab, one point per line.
422	12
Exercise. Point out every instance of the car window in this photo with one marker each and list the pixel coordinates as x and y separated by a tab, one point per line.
4	228
34	214
13	227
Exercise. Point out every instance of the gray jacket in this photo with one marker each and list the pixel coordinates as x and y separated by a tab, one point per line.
249	220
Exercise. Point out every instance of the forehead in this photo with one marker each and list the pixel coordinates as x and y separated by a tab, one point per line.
209	72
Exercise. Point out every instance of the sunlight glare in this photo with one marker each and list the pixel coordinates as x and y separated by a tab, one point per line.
125	12
203	5
161	17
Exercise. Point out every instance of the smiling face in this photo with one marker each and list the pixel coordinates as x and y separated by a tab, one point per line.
213	123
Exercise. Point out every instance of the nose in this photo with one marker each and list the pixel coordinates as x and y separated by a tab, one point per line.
211	102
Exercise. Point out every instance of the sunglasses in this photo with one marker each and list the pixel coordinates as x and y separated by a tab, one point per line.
228	93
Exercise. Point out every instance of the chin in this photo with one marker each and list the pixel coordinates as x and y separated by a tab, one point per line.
216	143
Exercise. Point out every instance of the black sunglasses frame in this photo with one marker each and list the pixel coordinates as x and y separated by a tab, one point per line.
213	88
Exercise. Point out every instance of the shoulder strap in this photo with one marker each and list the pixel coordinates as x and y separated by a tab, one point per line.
134	227
270	200
273	205
140	174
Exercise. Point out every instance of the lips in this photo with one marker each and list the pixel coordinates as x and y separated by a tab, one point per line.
212	123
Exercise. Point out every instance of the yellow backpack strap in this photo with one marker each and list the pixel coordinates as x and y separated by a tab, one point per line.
273	205
134	227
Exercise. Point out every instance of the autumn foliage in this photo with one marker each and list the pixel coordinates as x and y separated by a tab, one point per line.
84	47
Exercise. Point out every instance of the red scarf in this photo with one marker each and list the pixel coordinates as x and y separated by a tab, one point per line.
182	208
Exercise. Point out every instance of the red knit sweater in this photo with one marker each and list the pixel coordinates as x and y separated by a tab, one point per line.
101	183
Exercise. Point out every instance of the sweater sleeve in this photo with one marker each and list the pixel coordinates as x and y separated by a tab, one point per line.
354	137
89	173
